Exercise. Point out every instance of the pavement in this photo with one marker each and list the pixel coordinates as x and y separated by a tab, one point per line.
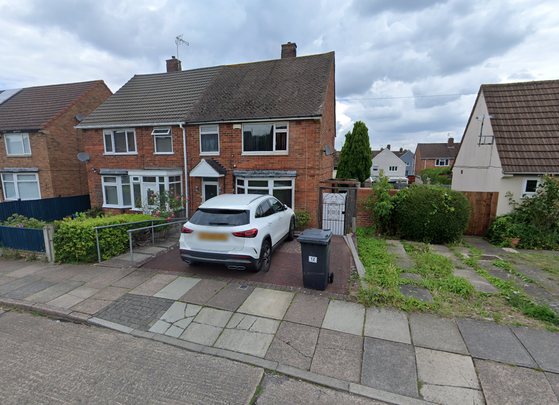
383	354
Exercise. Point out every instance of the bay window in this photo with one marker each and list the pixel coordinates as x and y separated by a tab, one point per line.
281	188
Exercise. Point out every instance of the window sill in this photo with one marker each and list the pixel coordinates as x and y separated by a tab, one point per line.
19	156
164	153
120	154
282	153
116	207
209	153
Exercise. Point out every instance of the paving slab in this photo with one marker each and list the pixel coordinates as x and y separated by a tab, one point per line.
66	301
387	324
91	306
503	384
16	283
491	341
452	395
441	368
419	293
542	345
148	250
90	273
553	380
294	345
65	272
207	326
133	280
28	289
338	355
110	293
154	284
36	268
248	334
135	311
202	292
267	303
7	266
434	332
176	319
108	278
177	288
389	366
7	279
480	283
231	297
83	292
54	291
307	309
347	317
412	276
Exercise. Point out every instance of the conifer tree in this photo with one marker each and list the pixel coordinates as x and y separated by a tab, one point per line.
355	157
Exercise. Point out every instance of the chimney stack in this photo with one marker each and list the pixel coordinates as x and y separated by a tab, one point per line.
289	50
401	149
451	142
173	65
388	147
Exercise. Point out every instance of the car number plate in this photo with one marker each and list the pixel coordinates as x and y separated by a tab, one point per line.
212	236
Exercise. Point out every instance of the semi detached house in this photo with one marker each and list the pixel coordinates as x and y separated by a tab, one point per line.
256	128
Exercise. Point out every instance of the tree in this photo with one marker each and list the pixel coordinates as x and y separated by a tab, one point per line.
355	157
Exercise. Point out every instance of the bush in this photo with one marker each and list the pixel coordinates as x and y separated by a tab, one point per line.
430	214
21	221
437	175
74	239
380	203
302	218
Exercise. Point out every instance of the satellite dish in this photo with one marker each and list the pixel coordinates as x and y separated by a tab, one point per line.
327	150
83	157
80	117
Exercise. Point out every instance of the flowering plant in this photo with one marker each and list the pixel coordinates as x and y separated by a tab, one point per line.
165	204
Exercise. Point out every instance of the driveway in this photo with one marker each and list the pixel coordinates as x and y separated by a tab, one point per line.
286	268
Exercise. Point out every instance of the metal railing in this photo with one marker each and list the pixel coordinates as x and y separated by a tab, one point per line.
177	221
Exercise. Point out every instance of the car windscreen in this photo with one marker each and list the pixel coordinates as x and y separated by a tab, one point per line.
220	217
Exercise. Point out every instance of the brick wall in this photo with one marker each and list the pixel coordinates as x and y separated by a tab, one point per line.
363	216
429	163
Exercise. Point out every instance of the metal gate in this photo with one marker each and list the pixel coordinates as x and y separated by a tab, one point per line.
337	208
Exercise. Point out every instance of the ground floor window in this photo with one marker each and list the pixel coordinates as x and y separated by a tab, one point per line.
135	189
281	188
21	186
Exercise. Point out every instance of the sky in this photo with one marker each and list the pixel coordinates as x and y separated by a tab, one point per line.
409	69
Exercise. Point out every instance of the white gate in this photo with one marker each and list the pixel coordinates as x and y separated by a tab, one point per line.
333	210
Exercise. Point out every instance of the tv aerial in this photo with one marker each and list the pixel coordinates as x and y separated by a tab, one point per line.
180	41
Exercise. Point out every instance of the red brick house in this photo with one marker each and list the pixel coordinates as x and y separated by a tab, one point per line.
256	128
39	145
429	155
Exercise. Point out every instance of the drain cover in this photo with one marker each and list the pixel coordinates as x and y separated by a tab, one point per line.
243	287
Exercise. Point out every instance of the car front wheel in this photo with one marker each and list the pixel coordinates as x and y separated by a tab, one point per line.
265	257
291	234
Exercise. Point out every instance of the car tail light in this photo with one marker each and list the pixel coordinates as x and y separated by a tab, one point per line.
184	229
251	233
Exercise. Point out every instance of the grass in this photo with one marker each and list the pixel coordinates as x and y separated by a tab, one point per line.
547	262
453	296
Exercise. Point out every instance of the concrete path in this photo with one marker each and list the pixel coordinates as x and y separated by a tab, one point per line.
382	354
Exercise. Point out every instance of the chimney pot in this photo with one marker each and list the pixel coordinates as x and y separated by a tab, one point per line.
401	149
173	65
388	147
289	50
451	142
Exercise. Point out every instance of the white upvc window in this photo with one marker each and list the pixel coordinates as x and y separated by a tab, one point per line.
163	139
392	168
17	144
116	192
21	186
442	162
120	141
281	188
209	140
265	138
530	186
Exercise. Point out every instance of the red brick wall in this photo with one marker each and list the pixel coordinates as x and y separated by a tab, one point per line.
54	149
428	163
363	216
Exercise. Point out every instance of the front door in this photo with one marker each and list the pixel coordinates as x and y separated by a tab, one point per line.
210	188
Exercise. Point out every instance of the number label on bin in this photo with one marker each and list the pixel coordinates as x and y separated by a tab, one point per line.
313	259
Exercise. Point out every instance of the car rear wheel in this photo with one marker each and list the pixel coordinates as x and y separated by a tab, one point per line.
291	234
265	257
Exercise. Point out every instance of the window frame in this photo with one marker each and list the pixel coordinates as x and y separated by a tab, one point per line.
446	160
392	169
157	133
274	150
209	153
242	183
112	132
527	194
16	182
22	138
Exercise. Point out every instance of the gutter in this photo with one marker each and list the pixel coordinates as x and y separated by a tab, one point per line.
133	125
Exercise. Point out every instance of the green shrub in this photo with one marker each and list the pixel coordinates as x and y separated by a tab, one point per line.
437	175
380	203
430	214
74	239
302	219
21	221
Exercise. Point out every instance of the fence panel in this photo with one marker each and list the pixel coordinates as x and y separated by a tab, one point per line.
484	211
47	209
22	238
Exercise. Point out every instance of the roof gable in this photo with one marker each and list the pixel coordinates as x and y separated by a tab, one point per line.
33	107
525	124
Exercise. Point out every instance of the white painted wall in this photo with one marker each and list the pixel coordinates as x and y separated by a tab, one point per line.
384	160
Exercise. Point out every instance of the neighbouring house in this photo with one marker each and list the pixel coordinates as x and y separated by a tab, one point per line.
407	157
429	155
387	161
510	141
38	152
256	128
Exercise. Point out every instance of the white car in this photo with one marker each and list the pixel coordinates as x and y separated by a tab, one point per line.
238	230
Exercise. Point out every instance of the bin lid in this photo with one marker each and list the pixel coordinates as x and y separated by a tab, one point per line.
315	236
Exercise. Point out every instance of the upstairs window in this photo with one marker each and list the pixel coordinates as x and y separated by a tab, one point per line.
209	140
265	137
163	139
120	141
17	144
442	162
392	168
